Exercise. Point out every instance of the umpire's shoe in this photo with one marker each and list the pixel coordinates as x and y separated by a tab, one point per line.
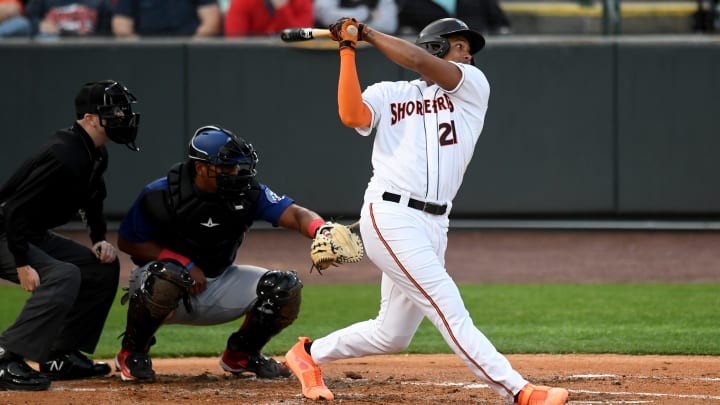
134	366
15	374
258	364
72	366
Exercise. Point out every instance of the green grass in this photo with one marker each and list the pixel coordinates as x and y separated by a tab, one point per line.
547	318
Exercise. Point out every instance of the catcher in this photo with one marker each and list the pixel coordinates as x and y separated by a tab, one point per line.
184	231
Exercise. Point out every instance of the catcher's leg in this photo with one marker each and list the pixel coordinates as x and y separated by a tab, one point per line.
277	306
163	285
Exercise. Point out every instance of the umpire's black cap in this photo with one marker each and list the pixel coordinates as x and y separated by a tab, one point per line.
100	93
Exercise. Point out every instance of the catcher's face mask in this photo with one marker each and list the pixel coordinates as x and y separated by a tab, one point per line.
231	161
231	180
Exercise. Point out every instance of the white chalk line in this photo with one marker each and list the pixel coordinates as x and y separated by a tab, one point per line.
614	402
644	377
591	376
649	394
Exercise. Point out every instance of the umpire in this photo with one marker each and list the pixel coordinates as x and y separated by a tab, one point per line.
72	286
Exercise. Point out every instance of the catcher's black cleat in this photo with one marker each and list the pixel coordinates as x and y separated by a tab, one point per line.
134	366
258	364
16	375
72	366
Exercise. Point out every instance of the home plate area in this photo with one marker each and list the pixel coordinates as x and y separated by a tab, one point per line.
406	379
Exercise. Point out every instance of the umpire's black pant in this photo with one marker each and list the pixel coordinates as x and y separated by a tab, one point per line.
67	311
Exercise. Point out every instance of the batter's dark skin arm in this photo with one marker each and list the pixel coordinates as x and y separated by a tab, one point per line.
410	56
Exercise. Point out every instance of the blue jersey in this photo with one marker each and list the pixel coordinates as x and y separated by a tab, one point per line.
136	227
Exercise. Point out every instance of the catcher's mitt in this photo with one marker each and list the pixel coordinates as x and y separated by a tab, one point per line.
335	244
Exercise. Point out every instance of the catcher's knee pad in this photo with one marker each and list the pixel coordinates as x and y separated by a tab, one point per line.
277	306
164	285
279	296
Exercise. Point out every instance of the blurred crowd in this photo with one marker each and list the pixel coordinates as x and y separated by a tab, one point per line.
48	19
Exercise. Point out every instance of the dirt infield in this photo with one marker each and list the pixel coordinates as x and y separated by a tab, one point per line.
405	379
473	256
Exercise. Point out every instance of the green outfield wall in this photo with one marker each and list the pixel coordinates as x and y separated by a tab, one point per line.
576	127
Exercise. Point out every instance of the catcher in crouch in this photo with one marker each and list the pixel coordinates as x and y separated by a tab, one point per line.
184	231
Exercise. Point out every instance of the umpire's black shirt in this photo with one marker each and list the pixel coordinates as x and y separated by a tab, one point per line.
48	189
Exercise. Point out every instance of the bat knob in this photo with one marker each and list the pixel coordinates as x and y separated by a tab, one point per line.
290	35
352	30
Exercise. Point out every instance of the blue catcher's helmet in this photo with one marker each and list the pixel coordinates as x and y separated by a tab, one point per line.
219	147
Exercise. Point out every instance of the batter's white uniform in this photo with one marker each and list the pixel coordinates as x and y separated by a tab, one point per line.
425	138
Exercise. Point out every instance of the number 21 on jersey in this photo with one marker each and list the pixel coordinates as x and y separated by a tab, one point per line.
448	136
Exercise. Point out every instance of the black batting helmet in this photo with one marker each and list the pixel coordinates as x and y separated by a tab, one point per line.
434	36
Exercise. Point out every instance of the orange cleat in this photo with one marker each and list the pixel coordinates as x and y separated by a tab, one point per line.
309	373
541	395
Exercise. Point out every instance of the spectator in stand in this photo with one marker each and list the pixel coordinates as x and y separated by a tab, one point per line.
485	16
224	5
265	17
136	18
12	21
381	14
69	18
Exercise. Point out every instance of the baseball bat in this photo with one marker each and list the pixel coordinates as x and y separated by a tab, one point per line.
303	34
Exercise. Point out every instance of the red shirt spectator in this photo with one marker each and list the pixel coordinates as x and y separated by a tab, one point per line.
264	17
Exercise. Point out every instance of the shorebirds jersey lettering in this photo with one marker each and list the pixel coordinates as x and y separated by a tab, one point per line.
450	122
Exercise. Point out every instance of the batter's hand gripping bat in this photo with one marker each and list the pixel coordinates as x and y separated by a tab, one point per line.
306	34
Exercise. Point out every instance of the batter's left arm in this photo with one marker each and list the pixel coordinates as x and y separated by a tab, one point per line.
446	74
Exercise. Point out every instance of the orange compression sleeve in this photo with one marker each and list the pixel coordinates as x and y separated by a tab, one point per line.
353	112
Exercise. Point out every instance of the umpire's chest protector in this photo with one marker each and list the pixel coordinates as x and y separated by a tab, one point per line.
202	227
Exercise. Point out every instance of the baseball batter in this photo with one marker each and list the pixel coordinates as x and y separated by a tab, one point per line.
425	135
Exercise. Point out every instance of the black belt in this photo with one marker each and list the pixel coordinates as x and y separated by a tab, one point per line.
430	208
